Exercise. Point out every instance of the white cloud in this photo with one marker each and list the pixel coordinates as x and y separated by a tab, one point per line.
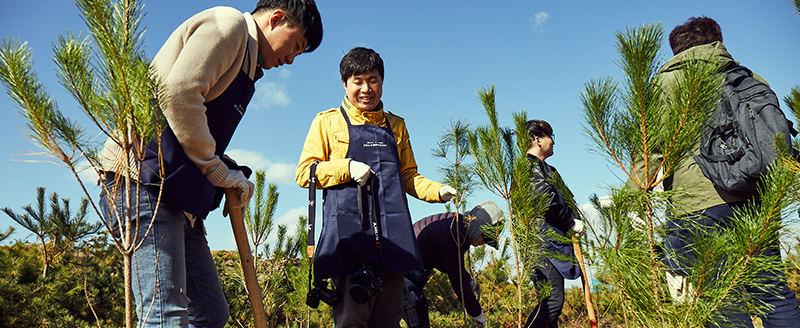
86	173
281	173
284	73
537	21
289	219
271	94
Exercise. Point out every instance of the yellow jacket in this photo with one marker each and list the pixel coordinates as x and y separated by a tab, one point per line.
328	140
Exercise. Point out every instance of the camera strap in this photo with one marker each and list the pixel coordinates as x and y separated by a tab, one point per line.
312	211
376	228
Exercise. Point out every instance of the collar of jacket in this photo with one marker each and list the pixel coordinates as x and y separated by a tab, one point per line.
540	165
711	51
358	117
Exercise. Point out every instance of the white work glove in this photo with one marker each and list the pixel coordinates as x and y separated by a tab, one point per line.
479	321
476	289
236	179
577	228
359	172
446	193
679	287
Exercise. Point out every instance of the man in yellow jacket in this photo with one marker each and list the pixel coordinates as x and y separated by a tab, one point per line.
365	165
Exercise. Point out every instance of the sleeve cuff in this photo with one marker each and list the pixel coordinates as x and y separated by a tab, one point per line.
219	174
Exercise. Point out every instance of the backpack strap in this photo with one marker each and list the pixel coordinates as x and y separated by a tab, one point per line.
730	158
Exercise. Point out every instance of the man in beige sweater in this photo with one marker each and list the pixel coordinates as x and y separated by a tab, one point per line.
209	66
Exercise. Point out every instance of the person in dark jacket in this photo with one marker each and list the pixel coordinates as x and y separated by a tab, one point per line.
558	218
443	240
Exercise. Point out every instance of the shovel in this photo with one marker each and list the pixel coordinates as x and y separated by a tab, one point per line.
243	245
587	290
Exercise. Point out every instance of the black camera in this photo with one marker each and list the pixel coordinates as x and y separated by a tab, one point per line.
321	292
364	284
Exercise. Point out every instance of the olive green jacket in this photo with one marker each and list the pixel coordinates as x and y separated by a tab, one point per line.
698	192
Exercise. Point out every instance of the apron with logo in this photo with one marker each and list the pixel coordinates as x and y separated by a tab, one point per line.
347	242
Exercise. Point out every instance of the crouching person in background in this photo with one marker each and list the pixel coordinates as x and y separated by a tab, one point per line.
443	239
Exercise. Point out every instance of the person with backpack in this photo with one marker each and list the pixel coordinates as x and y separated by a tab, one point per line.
364	163
443	240
209	66
712	178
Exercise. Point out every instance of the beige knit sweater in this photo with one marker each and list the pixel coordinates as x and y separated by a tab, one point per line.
198	62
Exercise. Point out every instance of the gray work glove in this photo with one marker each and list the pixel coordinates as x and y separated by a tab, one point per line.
479	321
236	179
476	289
446	193
359	172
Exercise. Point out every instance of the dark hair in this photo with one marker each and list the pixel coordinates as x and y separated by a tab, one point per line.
360	60
302	13
696	31
539	128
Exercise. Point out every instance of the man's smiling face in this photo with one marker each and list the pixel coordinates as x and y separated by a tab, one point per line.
364	90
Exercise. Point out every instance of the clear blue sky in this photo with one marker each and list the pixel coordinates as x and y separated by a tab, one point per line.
438	53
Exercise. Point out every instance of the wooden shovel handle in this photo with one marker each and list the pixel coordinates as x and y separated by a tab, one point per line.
250	278
587	290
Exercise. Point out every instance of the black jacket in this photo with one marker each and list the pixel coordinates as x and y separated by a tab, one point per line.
438	236
558	215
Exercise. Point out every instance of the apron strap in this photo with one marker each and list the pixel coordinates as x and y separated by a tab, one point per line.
347	119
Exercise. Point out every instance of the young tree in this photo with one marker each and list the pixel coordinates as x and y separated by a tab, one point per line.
453	148
116	92
502	167
54	225
68	228
647	137
259	221
38	222
793	99
5	234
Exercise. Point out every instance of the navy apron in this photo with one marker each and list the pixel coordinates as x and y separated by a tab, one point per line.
185	187
346	241
569	269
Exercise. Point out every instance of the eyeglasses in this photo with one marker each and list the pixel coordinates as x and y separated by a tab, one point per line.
552	136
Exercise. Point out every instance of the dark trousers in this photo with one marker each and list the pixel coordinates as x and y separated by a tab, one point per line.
416	304
546	314
382	310
785	307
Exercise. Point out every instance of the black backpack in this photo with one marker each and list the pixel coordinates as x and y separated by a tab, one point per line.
739	145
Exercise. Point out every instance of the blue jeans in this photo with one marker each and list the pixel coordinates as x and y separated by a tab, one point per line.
785	311
175	282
